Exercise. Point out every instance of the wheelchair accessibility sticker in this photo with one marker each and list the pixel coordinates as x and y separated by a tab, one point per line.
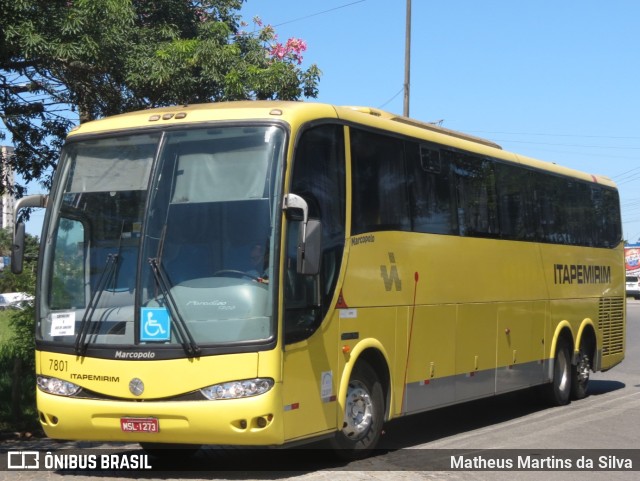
155	324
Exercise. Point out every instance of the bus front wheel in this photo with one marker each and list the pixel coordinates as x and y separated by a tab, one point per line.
363	416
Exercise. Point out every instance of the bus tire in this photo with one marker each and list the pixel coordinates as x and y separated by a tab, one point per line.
363	416
559	390
580	375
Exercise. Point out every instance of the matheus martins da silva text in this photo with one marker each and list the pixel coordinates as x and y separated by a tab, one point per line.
608	462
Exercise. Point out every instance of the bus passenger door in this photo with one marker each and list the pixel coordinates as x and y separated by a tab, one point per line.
310	372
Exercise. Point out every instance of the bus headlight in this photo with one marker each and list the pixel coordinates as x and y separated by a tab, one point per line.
237	389
53	385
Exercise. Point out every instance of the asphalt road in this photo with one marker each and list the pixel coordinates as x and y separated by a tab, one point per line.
418	447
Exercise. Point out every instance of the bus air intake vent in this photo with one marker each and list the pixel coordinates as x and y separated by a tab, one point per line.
611	325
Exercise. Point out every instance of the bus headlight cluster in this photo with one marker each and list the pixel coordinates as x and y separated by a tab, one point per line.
237	389
53	385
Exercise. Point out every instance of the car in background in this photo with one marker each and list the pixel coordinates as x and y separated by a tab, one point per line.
14	300
633	287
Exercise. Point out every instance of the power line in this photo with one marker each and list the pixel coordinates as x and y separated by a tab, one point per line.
319	13
627	172
392	98
537	134
568	145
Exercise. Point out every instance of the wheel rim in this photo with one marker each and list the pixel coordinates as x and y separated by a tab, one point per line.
358	416
582	369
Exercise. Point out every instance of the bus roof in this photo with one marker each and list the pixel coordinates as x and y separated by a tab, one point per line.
297	113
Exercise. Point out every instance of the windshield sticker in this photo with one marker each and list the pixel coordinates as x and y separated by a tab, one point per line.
63	323
155	324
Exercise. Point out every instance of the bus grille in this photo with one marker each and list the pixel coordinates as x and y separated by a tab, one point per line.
611	324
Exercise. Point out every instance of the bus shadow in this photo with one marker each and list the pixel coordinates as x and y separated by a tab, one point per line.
453	420
597	388
233	463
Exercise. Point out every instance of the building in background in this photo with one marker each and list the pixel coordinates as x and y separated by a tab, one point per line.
7	200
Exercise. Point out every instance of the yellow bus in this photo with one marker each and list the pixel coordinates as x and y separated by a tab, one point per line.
271	273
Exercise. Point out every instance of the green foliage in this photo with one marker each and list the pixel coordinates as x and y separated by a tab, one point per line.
25	282
64	61
17	358
18	410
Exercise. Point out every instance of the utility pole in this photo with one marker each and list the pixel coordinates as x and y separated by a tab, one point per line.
407	60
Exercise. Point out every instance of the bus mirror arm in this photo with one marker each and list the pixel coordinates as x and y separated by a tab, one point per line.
309	237
296	208
17	247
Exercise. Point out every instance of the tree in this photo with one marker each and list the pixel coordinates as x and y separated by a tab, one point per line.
69	61
25	282
17	355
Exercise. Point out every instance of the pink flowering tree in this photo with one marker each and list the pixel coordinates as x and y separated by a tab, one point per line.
280	74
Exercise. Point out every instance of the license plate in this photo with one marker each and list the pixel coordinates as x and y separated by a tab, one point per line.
139	425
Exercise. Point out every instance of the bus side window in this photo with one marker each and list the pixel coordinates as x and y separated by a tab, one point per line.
515	208
428	179
380	201
477	206
69	266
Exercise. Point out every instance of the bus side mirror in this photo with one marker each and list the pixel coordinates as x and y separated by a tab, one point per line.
17	247
309	236
310	248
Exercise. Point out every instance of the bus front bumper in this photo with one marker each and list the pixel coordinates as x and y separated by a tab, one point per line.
253	421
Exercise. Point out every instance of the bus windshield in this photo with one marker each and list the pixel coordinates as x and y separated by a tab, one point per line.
163	239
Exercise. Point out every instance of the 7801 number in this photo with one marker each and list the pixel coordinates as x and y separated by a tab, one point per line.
58	365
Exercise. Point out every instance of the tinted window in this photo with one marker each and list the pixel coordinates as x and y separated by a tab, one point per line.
514	204
379	184
410	185
429	184
475	187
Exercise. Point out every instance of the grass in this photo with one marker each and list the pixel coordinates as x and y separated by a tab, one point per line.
5	328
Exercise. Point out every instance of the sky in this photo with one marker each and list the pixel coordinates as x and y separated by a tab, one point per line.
556	80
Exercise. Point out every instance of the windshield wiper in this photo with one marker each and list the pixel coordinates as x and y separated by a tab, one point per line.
106	276
188	343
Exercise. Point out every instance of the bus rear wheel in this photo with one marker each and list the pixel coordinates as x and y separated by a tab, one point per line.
363	416
559	390
580	376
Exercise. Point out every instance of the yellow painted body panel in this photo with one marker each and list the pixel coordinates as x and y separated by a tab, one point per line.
311	373
521	332
433	345
481	305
